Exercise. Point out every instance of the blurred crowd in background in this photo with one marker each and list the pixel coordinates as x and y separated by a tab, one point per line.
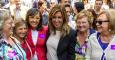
57	29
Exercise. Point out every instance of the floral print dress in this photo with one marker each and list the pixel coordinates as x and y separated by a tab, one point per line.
8	52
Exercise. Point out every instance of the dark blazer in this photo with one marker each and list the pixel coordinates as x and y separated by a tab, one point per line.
66	47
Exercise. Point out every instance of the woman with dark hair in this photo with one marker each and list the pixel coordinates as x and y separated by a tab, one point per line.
60	43
36	35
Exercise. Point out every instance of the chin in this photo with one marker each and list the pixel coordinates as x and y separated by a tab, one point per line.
82	30
22	36
99	31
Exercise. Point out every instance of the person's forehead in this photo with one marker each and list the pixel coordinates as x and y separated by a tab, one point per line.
98	2
66	0
53	1
16	0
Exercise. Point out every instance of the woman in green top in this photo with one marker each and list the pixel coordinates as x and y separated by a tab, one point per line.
84	30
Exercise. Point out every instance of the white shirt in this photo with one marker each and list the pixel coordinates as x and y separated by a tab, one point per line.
94	50
52	44
34	38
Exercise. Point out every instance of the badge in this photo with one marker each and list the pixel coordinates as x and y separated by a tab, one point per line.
112	47
42	36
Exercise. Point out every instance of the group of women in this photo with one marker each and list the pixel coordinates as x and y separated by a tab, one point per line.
31	40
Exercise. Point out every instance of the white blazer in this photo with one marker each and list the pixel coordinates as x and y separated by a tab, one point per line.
94	50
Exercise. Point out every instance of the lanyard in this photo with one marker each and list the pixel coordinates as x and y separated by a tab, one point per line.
18	48
29	48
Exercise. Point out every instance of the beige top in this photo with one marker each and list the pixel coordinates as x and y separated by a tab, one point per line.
52	44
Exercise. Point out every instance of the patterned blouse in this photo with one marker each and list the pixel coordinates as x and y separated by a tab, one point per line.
81	50
8	52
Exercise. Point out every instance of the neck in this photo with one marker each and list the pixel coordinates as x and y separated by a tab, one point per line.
105	34
19	39
97	10
83	33
81	37
106	37
33	28
58	29
6	36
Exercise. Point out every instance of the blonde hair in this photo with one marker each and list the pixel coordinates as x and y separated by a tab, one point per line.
85	13
65	28
111	17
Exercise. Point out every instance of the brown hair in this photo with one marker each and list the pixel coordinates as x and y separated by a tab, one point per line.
18	24
33	12
65	28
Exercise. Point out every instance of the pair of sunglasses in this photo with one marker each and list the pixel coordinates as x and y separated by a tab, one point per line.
100	22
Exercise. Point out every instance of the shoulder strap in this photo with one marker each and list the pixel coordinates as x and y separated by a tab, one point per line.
29	47
18	47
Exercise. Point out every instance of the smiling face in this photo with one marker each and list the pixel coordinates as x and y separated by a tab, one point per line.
34	21
82	24
21	31
57	20
102	23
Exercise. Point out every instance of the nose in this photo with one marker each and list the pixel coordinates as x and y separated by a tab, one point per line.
97	24
80	24
56	19
34	20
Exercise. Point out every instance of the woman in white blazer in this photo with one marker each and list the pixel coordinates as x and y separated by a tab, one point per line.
101	45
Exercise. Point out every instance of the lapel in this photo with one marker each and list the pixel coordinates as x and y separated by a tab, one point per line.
41	38
29	38
61	45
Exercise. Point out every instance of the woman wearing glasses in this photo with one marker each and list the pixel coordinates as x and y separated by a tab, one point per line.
101	45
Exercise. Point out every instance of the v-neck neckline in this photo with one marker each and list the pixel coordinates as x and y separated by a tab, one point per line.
108	43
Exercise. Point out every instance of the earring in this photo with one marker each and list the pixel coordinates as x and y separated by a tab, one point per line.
109	30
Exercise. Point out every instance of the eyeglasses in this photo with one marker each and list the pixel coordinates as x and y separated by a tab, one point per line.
100	22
